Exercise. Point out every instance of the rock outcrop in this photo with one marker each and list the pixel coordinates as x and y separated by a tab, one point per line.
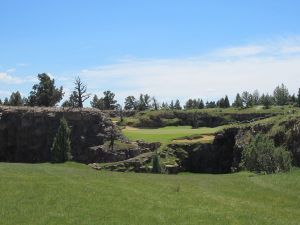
26	133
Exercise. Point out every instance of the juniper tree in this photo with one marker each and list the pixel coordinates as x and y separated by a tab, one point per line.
16	99
177	105
298	99
226	102
45	93
247	99
211	104
255	97
80	94
155	104
172	105
156	166
6	102
201	104
61	148
238	103
261	155
266	100
97	103
130	103
281	95
109	100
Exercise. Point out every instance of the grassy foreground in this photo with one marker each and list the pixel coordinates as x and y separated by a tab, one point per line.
166	134
74	194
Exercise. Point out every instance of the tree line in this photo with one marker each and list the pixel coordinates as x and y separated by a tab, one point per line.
45	93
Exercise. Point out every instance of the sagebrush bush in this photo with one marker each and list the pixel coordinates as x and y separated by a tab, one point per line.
61	148
262	156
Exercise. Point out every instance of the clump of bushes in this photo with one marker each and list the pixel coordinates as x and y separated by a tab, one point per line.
61	148
262	156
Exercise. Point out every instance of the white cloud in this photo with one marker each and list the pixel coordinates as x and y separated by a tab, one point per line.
4	94
23	64
240	51
8	79
211	76
10	70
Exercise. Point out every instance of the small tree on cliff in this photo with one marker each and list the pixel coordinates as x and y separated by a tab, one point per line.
80	94
45	93
156	166
61	148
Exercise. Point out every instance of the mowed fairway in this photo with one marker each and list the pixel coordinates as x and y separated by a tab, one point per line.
166	134
75	194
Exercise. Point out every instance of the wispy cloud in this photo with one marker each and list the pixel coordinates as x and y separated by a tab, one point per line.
10	70
225	71
23	64
240	51
9	79
4	94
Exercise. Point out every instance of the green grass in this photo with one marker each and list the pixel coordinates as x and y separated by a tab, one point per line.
75	194
166	134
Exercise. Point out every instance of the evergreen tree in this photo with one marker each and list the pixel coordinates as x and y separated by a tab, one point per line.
97	103
281	95
72	101
201	104
172	107
194	104
267	101
61	148
189	104
1	103
156	166
165	106
293	99
45	93
16	99
255	97
261	155
177	105
6	102
109	100
130	103
155	104
221	103
144	102
298	99
211	104
80	94
247	99
238	103
226	102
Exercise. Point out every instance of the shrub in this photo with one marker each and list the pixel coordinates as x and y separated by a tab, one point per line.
262	156
156	166
61	148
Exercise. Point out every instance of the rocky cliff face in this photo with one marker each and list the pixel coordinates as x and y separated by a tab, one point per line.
26	133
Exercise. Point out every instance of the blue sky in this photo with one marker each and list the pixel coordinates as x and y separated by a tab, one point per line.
170	49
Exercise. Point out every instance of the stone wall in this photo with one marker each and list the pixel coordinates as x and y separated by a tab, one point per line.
27	133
